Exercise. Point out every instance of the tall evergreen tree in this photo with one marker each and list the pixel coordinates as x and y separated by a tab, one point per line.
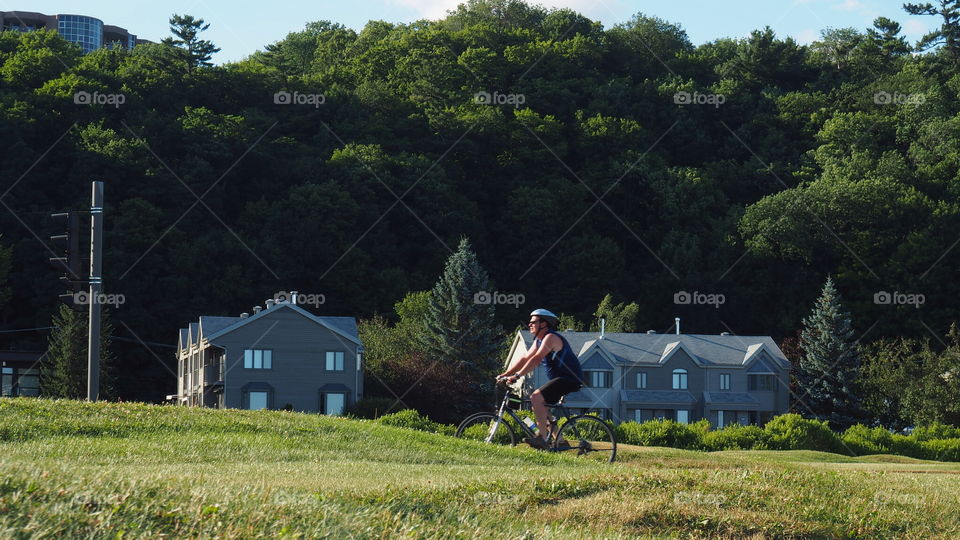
829	369
63	371
949	33
460	316
197	52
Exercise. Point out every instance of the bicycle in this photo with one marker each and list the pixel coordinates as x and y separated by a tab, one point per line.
589	434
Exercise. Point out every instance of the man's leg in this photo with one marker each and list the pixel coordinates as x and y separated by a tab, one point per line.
539	406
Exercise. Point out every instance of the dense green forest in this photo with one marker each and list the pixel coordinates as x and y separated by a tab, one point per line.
580	161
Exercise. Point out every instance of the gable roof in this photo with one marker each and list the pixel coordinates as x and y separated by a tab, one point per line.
760	366
673	348
592	355
193	335
345	327
210	325
629	349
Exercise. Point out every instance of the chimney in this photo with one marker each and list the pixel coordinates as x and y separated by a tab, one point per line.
268	302
256	309
603	325
244	315
293	297
677	321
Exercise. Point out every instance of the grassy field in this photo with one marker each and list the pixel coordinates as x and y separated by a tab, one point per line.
81	470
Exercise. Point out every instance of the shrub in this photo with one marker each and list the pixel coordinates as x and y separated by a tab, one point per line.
904	445
412	419
863	440
737	437
793	432
372	408
660	433
942	449
935	430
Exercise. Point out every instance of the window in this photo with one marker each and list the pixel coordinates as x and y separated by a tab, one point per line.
679	379
719	419
683	416
6	387
638	415
334	403
257	359
334	361
642	380
764	383
724	381
257	400
598	379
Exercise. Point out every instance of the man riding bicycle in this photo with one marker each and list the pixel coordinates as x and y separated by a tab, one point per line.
563	370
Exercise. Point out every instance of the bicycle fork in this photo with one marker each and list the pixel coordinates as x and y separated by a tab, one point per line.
496	422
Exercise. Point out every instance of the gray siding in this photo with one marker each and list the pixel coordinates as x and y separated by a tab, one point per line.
701	377
298	373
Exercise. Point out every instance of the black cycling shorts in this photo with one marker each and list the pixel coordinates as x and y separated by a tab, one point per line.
557	388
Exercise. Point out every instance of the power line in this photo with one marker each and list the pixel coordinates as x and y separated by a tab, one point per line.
25	330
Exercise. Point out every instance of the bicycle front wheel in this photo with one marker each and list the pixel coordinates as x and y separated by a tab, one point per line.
589	436
486	427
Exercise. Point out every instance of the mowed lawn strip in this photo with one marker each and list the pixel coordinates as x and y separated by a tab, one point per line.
96	470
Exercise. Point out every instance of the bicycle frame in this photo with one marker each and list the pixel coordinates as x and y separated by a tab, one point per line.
504	411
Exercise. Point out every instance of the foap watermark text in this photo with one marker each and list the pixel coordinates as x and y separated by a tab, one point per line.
499	298
296	98
84	298
897	98
698	298
496	98
696	98
96	98
896	298
299	298
699	498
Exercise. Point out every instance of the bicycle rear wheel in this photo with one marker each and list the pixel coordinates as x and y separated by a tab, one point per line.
588	436
484	427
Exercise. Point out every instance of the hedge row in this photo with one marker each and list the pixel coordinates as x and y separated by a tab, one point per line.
785	432
793	432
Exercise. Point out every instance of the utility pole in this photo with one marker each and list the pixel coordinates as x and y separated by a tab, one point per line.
96	286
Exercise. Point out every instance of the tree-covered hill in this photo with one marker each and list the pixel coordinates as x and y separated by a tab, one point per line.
579	160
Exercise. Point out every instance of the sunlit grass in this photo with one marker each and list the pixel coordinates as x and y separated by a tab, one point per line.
72	469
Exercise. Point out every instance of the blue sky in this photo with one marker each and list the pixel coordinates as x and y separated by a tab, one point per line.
240	29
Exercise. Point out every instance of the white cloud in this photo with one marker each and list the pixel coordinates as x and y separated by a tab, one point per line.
428	9
807	36
852	5
914	28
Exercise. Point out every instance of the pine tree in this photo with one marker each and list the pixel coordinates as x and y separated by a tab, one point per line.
828	372
63	371
460	316
949	33
197	52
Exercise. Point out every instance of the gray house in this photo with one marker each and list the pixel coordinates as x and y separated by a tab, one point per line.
726	379
281	357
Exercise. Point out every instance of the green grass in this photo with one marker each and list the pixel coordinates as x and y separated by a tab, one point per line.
79	470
